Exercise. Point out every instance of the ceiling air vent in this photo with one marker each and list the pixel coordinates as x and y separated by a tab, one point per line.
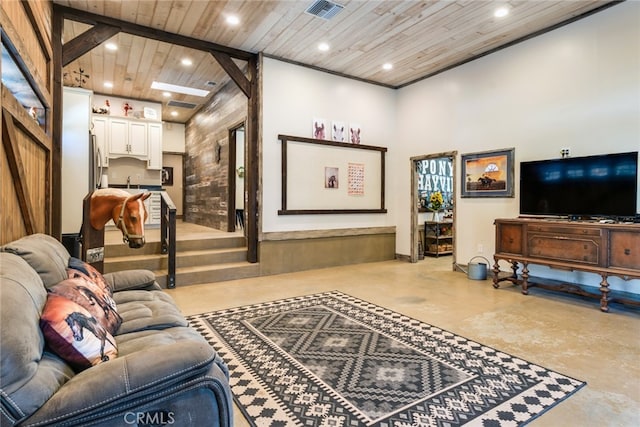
324	9
181	104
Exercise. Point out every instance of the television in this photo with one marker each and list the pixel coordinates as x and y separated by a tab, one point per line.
581	187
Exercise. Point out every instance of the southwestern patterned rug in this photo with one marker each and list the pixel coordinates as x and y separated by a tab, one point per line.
334	360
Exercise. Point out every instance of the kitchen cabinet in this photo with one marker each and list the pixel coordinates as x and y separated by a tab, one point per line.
127	138
154	138
99	130
153	208
122	137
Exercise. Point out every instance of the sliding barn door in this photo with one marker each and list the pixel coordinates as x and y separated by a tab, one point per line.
26	151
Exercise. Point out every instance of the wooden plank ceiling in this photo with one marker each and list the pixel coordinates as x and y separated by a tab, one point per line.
420	38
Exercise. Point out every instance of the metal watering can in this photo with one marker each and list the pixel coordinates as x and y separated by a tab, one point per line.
478	270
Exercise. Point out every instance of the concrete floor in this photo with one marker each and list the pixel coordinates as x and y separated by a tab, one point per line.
561	332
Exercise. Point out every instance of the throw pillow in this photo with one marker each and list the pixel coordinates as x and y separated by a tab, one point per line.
73	334
80	289
78	266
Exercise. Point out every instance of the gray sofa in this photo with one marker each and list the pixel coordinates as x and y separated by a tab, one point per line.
165	372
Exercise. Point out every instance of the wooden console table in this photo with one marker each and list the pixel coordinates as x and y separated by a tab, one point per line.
604	249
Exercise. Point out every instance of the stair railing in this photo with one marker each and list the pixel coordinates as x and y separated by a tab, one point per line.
168	236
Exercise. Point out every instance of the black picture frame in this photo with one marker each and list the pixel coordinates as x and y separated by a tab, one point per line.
488	174
167	176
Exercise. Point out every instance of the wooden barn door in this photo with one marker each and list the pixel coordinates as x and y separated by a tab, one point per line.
26	150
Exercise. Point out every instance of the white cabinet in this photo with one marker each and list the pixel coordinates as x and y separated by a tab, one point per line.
138	139
127	138
153	208
122	137
99	130
154	136
118	137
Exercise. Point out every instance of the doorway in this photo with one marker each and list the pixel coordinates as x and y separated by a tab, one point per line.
430	174
236	214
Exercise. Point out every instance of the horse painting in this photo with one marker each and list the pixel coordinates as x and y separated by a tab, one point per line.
126	210
78	321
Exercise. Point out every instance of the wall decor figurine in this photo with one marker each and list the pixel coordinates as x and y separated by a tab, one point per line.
33	113
127	107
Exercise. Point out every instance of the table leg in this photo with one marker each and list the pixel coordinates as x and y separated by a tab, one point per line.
496	270
604	289
514	268
525	279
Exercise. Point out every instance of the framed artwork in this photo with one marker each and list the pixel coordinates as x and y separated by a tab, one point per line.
339	132
356	179
488	174
319	129
331	177
167	176
354	133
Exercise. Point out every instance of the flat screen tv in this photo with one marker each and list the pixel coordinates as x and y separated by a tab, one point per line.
578	187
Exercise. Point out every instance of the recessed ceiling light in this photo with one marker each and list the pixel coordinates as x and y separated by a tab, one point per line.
501	12
108	84
387	66
187	62
111	46
174	113
233	20
166	94
168	87
323	47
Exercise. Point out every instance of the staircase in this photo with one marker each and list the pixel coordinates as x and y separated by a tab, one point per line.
201	260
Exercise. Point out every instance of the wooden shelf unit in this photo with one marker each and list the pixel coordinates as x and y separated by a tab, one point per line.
590	246
438	238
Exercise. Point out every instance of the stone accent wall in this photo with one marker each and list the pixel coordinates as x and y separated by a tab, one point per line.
207	157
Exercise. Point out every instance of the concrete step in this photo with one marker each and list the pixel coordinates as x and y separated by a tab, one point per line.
151	248
197	260
210	273
183	259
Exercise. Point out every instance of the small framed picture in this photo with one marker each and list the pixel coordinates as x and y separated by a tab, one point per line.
331	177
488	174
167	176
339	132
319	129
355	131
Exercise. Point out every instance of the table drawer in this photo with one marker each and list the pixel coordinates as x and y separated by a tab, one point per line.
509	239
562	248
624	249
565	230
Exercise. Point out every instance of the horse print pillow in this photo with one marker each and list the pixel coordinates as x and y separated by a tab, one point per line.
77	266
74	334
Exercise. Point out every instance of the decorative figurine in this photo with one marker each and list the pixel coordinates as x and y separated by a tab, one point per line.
127	107
33	113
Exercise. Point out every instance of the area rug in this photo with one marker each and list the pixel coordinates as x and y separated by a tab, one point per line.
333	360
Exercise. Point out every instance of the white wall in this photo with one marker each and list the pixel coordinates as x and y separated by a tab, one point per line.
292	97
577	87
173	137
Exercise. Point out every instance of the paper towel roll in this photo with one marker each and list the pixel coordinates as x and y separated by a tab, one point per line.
104	183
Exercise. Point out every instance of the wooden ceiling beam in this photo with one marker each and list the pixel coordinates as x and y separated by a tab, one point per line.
151	33
233	71
86	41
